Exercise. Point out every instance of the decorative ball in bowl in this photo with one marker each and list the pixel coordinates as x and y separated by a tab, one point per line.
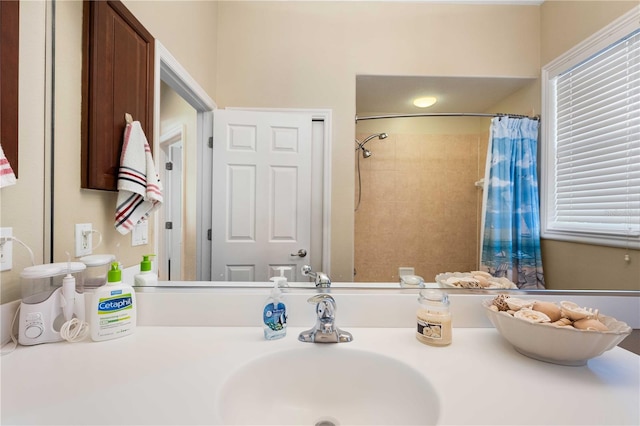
560	333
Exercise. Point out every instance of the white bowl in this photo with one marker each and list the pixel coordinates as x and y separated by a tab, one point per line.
558	345
495	282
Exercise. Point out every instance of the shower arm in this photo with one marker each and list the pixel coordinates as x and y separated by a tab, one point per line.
361	144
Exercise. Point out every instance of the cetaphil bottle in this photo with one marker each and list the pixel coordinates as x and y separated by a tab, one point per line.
113	310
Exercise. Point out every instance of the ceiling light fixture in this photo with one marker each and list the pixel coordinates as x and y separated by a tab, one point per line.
424	102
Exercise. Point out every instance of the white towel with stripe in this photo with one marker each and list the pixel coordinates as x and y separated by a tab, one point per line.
7	177
139	187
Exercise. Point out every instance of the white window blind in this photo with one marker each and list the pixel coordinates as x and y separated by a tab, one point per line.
596	135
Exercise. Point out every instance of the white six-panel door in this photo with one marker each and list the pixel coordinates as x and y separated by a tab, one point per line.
261	194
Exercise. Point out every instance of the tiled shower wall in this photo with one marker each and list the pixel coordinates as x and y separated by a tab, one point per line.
419	206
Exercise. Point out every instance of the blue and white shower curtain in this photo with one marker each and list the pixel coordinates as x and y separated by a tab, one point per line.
511	232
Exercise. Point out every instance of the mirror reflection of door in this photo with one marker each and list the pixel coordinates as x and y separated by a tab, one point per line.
171	144
261	194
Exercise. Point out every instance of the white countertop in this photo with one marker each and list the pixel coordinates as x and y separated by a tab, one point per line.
170	375
189	341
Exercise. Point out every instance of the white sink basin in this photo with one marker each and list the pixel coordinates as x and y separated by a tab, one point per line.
327	385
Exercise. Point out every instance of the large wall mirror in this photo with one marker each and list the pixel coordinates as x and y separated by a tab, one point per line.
356	77
419	191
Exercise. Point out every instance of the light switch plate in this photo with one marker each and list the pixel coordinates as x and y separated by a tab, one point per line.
6	250
140	234
84	240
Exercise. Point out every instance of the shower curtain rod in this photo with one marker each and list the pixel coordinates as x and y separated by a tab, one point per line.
445	114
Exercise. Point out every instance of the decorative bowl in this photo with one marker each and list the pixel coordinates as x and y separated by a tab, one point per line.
557	345
444	280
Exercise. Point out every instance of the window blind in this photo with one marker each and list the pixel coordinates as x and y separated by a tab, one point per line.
597	137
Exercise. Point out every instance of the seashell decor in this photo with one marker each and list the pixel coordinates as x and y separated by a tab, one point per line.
566	314
473	279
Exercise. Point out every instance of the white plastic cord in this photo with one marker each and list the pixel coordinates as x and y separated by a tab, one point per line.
74	330
13	337
85	233
5	239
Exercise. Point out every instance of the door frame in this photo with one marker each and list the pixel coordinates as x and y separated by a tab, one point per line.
168	139
323	194
169	70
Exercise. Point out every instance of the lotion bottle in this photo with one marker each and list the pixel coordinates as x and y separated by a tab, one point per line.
274	315
146	277
113	311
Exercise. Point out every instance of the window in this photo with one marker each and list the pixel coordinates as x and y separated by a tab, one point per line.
591	146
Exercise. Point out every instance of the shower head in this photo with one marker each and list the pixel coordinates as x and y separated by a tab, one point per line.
365	152
376	135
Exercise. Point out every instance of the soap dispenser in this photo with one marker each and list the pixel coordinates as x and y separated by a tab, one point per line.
146	277
113	311
274	316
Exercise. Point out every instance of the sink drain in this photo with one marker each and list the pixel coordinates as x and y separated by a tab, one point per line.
326	421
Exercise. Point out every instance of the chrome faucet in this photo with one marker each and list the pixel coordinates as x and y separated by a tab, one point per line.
322	280
325	330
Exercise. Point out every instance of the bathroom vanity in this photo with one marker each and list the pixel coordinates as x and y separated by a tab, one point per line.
198	356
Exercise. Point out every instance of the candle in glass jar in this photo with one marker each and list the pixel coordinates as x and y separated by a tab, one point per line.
433	318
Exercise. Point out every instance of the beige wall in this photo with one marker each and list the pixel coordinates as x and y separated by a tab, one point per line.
569	265
22	206
307	55
188	29
564	24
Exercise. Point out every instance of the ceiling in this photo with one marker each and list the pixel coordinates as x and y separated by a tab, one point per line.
395	94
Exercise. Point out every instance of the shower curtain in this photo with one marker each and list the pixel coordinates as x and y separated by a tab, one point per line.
510	244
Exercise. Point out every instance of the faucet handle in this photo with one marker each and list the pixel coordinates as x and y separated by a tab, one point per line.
326	305
320	297
321	279
306	271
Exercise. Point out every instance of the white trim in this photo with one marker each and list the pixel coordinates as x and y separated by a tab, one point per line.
169	70
613	32
172	135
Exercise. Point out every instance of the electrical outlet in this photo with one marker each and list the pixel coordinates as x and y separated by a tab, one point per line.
6	250
84	240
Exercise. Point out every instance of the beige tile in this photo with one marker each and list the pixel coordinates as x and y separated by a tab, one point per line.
409	153
382	186
383	154
420	206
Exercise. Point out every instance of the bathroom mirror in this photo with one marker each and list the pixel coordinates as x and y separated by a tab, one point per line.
518	95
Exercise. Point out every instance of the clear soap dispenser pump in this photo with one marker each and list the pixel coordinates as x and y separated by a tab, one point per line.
146	277
274	315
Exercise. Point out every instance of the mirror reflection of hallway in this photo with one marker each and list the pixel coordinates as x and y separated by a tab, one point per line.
177	161
172	165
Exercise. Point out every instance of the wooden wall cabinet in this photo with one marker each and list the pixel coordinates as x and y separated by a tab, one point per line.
117	78
9	58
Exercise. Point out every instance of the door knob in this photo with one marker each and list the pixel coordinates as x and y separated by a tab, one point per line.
300	253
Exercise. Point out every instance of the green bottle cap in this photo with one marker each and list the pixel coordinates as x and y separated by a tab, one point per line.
115	274
145	265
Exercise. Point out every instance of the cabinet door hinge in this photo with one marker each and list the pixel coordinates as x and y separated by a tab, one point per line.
209	234
168	166
168	225
210	141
